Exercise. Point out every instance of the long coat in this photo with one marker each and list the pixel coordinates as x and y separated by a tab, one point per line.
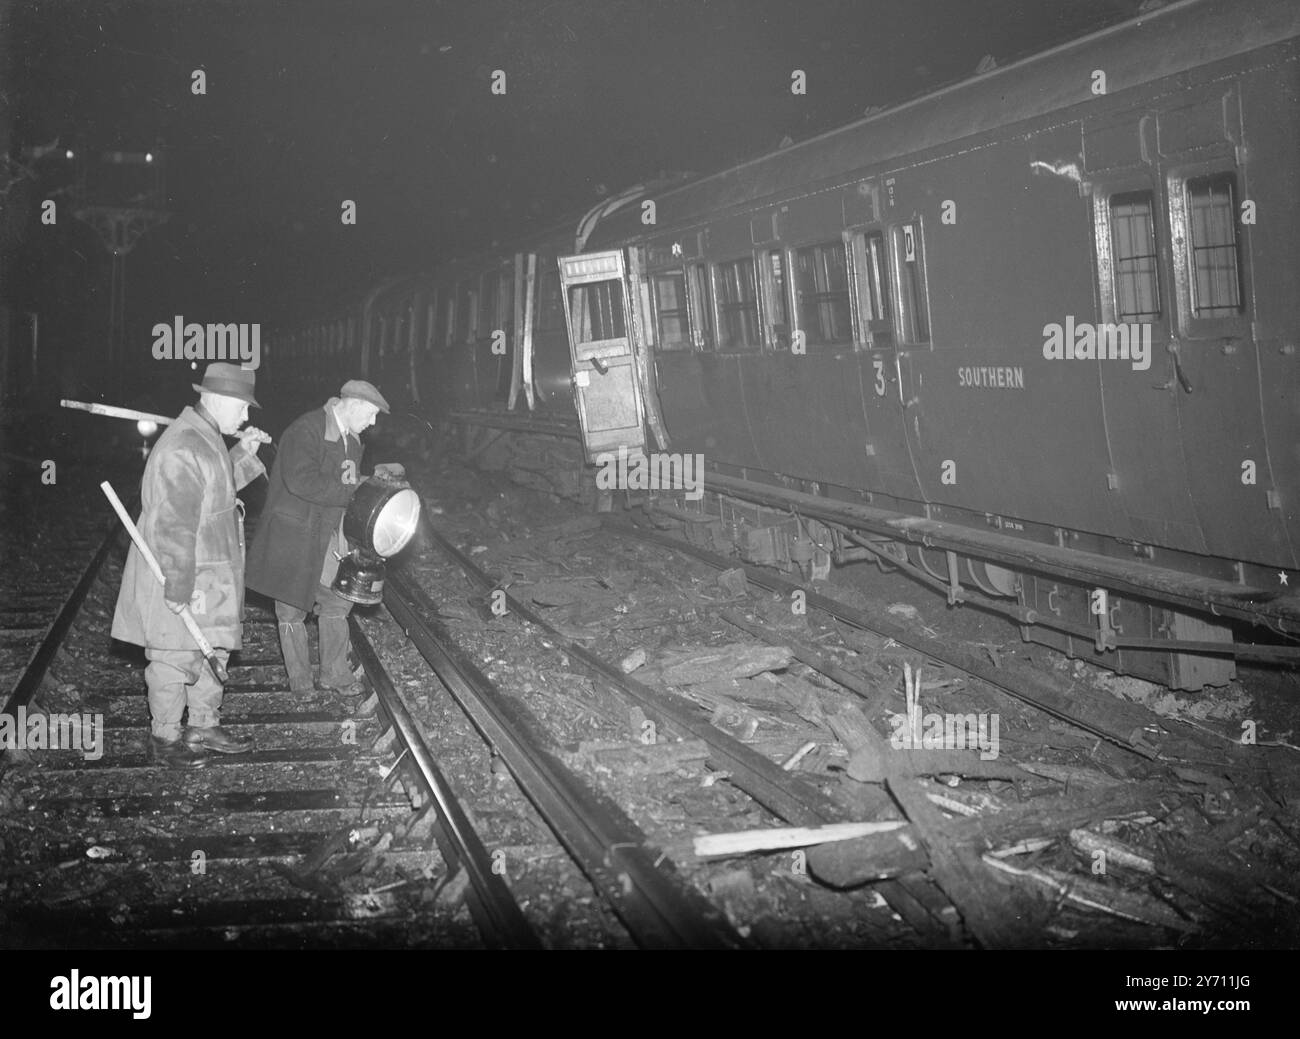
190	523
312	480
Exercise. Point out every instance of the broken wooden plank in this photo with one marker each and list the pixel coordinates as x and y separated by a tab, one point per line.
805	654
644	759
959	870
853	862
1089	894
868	859
1113	851
775	838
1074	777
734	660
874	763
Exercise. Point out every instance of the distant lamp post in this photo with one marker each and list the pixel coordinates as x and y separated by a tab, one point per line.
146	428
121	204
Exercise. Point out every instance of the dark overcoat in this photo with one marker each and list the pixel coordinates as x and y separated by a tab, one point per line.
313	478
189	521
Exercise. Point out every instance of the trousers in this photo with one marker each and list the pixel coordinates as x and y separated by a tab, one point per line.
332	611
180	678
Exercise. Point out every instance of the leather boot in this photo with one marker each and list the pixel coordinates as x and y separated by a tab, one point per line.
355	692
217	739
175	753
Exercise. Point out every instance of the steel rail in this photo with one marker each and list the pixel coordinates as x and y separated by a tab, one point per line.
785	795
493	906
1140	580
1027	616
658	909
39	662
1014	680
762	779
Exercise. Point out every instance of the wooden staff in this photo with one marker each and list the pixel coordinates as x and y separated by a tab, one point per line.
115	412
209	654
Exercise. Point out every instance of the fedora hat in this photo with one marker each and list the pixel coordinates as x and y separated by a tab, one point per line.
229	380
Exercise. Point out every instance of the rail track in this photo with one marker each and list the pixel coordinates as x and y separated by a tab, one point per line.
263	848
914	897
346	826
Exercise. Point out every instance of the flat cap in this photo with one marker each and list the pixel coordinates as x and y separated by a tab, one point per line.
363	390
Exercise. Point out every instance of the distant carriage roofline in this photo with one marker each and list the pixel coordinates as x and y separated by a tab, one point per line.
1149	47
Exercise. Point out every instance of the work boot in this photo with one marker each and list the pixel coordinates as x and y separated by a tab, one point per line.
215	738
355	691
175	753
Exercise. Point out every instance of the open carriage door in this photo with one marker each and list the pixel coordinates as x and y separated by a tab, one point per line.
611	411
521	354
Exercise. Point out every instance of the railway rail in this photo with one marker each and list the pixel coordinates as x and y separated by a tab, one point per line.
914	897
282	817
658	909
214	841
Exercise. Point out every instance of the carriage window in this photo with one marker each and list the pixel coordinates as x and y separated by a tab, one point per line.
670	311
487	315
466	312
913	303
871	279
597	311
702	303
821	284
443	332
400	324
775	277
550	305
772	271
1212	246
1133	254
737	304
506	309
874	300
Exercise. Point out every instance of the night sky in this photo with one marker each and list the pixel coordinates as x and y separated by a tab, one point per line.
389	104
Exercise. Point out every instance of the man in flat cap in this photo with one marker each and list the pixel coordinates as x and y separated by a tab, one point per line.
193	524
299	539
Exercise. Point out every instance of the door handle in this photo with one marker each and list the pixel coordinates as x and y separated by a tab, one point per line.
599	365
1179	377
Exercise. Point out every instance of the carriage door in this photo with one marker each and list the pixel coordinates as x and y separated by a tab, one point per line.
607	392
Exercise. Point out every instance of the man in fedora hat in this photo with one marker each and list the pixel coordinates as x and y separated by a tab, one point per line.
298	542
193	524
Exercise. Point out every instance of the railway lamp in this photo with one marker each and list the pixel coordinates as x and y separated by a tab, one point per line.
381	518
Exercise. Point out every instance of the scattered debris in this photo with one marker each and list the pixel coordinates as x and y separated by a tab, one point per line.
632	661
734	582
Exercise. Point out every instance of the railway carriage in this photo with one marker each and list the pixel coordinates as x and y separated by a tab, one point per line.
1031	338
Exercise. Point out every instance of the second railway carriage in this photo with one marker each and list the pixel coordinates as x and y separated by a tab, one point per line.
1031	338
